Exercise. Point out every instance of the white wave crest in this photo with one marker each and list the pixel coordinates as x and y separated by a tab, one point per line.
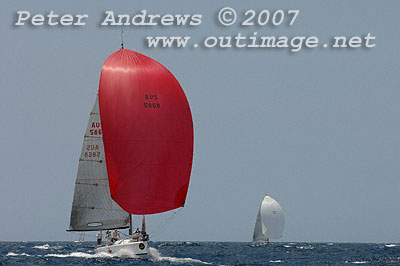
156	257
180	260
275	261
73	254
123	253
15	254
45	246
154	254
391	245
305	247
359	262
120	254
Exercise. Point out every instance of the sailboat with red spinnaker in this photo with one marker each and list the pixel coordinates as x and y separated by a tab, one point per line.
137	150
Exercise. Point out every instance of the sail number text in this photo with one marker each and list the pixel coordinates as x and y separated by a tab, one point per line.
151	101
96	129
92	151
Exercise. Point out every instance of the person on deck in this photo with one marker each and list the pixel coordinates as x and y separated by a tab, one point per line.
136	235
145	236
99	238
108	236
115	236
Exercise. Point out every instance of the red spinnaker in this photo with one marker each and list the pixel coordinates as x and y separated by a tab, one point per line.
147	133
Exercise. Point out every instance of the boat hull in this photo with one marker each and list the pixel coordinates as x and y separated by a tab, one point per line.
126	247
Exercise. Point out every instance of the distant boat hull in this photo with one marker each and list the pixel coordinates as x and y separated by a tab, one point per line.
126	247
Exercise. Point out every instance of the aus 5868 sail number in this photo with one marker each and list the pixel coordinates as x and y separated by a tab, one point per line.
152	105
92	151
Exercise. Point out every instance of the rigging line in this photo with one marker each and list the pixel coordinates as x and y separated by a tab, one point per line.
86	234
122	37
122	233
163	226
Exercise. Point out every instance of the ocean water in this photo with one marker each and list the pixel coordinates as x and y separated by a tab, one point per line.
204	253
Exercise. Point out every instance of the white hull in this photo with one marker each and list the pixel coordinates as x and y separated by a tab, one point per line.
126	247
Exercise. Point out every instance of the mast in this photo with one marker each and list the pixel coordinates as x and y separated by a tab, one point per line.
143	224
130	224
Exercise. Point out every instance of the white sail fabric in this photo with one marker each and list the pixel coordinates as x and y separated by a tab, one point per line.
270	221
92	207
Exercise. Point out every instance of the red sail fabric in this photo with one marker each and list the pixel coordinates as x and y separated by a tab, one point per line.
147	133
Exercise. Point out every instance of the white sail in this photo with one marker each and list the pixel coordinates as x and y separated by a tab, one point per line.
92	207
270	221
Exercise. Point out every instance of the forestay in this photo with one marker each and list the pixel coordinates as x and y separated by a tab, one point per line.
92	207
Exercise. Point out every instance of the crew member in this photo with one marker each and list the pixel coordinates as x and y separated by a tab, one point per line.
137	235
99	237
108	236
115	236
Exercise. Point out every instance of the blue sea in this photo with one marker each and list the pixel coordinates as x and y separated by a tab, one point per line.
204	253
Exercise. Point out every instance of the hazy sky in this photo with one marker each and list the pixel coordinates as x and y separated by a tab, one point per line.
317	130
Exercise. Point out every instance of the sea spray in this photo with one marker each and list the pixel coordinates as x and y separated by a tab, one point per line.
45	246
156	257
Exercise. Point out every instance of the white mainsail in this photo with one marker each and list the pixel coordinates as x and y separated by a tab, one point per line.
270	221
92	207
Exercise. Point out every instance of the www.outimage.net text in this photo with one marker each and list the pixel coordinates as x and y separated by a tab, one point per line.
226	17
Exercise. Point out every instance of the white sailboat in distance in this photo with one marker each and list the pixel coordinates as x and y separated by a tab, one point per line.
270	221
